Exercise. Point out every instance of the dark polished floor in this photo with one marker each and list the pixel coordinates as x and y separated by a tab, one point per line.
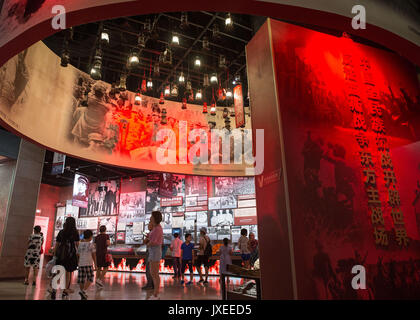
118	286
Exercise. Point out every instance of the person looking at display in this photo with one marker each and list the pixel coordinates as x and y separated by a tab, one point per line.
66	252
155	251
149	284
33	254
243	246
87	257
102	243
203	256
253	248
187	258
225	252
176	254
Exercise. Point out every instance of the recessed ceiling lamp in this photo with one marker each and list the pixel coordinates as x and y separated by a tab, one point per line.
134	58
181	78
149	84
167	90
197	62
174	90
213	78
206	81
96	70
228	20
175	39
137	99
198	95
104	36
167	56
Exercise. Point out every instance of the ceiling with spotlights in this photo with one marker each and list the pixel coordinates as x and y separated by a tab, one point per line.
166	46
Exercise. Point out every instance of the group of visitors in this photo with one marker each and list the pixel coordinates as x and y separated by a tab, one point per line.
249	248
88	256
71	253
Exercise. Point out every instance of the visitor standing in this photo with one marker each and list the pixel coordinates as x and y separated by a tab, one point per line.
225	252
33	254
102	243
155	251
243	246
87	257
203	255
176	255
187	258
149	284
253	248
65	250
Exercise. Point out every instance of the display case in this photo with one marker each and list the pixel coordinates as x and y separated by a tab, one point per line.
249	289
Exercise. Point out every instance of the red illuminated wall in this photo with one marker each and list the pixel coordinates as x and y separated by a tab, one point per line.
349	120
48	197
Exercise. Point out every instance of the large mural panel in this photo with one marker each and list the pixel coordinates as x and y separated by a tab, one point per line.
64	109
351	125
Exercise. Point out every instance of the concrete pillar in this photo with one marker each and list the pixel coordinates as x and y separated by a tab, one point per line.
23	177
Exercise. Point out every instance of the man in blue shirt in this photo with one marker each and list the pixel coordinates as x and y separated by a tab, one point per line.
187	258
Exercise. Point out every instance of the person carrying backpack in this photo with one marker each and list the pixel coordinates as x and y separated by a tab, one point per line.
65	251
205	251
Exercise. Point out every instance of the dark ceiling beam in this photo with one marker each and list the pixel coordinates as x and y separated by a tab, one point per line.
189	50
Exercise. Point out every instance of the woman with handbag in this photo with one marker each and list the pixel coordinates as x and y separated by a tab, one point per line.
66	251
103	258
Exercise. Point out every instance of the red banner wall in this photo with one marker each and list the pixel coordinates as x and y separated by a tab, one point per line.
351	125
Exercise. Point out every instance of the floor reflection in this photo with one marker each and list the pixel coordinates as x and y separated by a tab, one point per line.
120	286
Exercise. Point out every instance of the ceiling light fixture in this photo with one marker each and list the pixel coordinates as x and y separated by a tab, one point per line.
96	70
228	20
197	62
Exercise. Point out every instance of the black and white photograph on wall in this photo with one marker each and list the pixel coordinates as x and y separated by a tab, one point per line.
59	222
202	219
132	207
190	215
166	187
244	185
224	186
212	233
167	236
214	203
111	237
178	182
236	233
87	224
177	222
195	186
80	191
221	217
189	226
71	211
152	196
228	202
121	225
223	232
190	201
103	199
130	237
254	229
109	222
166	220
